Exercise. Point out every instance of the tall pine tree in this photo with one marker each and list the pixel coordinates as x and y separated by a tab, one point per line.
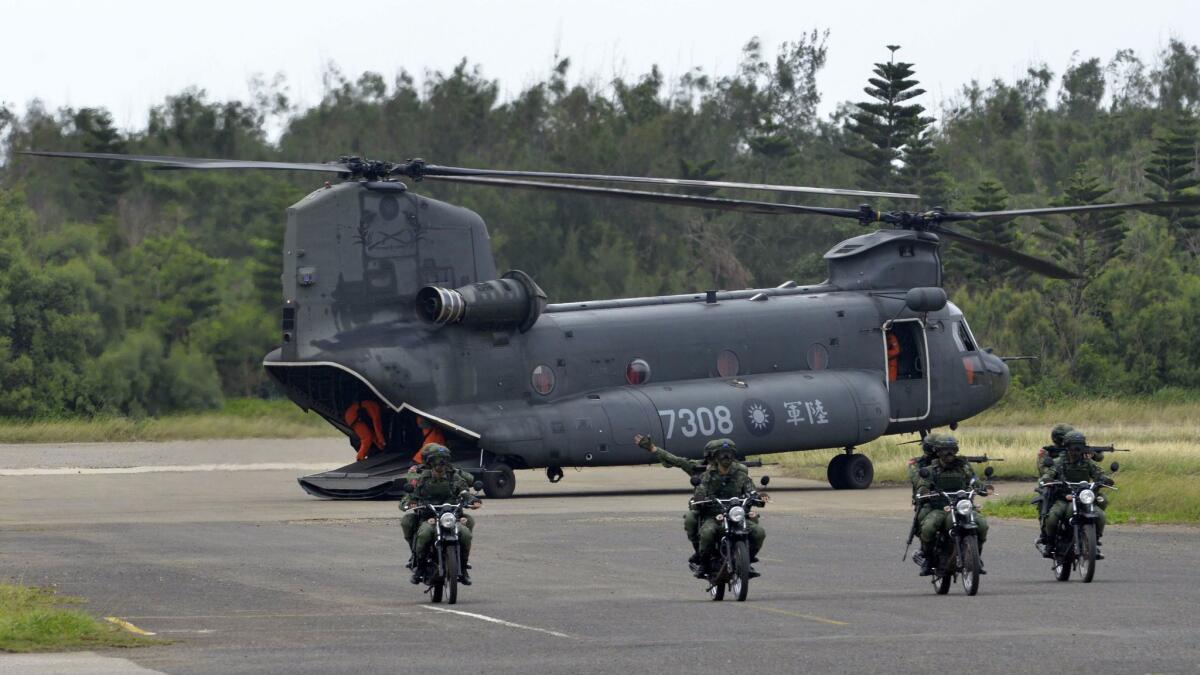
886	125
981	268
1172	169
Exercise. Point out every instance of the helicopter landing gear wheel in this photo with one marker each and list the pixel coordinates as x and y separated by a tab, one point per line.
859	472
499	481
836	472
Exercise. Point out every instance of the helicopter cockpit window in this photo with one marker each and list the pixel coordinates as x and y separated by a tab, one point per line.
637	372
728	363
542	380
962	337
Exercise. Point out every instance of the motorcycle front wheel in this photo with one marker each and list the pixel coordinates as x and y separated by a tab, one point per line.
970	565
1087	552
716	592
740	585
450	580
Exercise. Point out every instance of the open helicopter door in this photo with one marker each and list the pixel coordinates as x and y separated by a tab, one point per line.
906	369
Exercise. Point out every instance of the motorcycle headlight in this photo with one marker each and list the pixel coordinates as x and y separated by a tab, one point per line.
737	514
1087	497
963	507
448	520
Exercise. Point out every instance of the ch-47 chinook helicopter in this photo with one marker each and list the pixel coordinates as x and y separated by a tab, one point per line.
393	297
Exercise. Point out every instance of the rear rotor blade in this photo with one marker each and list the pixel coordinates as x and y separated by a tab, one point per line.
955	216
717	203
161	162
1029	262
417	169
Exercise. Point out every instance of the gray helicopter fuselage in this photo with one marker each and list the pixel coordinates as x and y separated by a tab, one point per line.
779	369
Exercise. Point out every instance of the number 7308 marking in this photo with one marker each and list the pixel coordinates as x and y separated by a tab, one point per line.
702	421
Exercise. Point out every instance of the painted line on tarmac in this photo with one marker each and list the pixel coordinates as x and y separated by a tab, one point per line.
127	626
163	468
502	622
810	617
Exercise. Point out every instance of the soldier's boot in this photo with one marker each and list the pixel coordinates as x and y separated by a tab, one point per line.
981	570
464	577
754	572
926	561
1099	554
695	559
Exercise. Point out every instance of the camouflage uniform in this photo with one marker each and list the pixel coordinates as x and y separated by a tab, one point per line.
1076	469
691	467
1052	451
428	488
717	485
945	475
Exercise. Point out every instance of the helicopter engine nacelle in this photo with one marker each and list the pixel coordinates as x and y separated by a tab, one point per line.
512	301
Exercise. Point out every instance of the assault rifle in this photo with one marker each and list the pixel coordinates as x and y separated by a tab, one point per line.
980	459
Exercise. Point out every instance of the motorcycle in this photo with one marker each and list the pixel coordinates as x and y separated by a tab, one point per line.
1075	543
729	566
440	568
956	548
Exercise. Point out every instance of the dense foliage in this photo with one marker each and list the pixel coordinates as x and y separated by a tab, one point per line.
124	290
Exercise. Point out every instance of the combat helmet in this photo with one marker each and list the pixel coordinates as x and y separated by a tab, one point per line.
945	445
434	454
1074	440
928	443
713	447
1058	432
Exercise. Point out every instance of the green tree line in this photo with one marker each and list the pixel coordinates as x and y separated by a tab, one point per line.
130	291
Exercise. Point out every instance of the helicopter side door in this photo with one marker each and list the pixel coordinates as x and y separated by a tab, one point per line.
906	369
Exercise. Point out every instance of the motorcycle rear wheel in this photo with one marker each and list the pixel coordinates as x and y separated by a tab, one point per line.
1087	553
970	565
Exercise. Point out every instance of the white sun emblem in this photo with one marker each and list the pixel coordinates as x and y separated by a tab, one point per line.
758	416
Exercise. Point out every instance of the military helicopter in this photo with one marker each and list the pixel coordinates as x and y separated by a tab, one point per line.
393	297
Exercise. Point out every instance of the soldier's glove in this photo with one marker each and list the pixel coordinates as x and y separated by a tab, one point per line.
645	442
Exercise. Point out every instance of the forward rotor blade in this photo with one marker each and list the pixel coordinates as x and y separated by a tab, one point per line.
1029	262
420	170
956	216
161	162
717	203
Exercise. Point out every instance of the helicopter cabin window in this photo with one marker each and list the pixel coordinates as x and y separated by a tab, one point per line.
542	380
818	357
962	337
728	363
637	372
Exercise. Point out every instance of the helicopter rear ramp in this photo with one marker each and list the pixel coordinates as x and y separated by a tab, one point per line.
372	478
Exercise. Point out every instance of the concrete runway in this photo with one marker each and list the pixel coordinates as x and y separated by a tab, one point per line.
249	575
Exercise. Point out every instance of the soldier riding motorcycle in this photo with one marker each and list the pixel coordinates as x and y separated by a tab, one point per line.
952	530
437	498
730	535
691	523
1074	522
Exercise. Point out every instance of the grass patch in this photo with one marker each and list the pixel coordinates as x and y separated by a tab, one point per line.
238	418
1157	481
37	619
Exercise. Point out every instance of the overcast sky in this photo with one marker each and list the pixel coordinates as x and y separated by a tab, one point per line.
126	56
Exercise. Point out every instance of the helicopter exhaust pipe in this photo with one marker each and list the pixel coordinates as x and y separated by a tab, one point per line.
512	301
